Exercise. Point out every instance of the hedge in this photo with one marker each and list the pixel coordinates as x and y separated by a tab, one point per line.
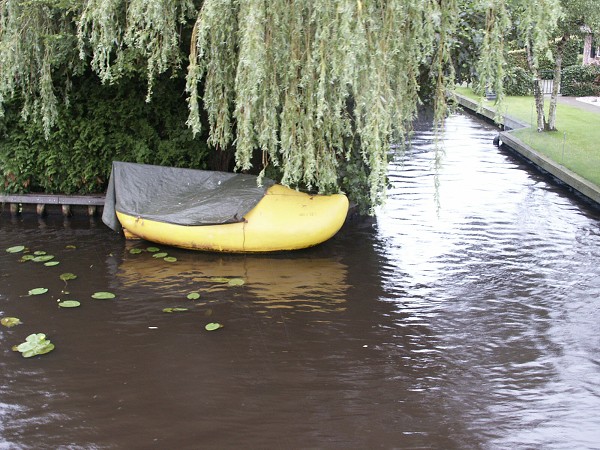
100	124
581	81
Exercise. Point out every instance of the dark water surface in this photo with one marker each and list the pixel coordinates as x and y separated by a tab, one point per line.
466	320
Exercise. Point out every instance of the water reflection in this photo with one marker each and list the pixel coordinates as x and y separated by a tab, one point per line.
494	270
300	284
465	315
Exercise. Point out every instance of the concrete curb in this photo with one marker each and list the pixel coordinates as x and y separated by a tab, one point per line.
579	184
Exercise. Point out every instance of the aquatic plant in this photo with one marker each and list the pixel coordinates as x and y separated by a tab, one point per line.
10	322
35	344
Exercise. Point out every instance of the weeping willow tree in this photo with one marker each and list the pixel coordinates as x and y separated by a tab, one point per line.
302	80
309	85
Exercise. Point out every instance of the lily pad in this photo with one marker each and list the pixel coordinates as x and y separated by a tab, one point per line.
135	251
170	259
172	310
67	276
236	282
35	344
160	255
71	247
42	258
212	326
15	249
193	296
153	249
27	258
40	253
10	321
38	291
103	295
52	263
69	304
220	279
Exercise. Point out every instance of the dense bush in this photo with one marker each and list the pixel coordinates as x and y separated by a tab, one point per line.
517	58
518	82
575	79
581	81
100	124
571	51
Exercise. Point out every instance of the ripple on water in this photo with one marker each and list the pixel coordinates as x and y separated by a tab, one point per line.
498	269
465	315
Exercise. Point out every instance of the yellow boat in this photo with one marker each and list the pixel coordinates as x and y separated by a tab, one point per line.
283	219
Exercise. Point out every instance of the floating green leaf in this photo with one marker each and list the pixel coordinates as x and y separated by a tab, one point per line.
170	259
135	251
172	310
69	304
213	326
16	249
35	344
67	276
160	255
51	263
70	246
153	249
220	279
236	282
103	295
10	321
38	291
193	296
40	253
27	258
42	258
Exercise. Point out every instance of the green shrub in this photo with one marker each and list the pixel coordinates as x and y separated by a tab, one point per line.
581	81
101	124
571	50
518	82
517	58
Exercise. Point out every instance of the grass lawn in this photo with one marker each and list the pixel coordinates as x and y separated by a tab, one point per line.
576	144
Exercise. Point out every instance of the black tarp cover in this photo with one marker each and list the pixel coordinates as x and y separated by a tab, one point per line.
179	196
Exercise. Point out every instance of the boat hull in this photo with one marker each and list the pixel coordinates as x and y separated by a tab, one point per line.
284	219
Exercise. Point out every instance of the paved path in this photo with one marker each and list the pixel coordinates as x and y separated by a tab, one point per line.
584	105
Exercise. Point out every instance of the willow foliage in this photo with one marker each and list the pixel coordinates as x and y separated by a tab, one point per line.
33	36
309	83
115	32
303	80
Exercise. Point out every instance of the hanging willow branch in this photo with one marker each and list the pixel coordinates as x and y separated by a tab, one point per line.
309	83
32	34
308	77
115	32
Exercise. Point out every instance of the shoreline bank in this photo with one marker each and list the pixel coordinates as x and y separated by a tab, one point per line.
588	190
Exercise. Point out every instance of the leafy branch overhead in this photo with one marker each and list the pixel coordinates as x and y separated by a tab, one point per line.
305	82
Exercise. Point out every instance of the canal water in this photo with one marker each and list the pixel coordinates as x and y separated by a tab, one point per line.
465	315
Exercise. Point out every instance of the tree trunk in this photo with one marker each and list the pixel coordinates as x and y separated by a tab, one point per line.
538	93
556	83
221	159
587	49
